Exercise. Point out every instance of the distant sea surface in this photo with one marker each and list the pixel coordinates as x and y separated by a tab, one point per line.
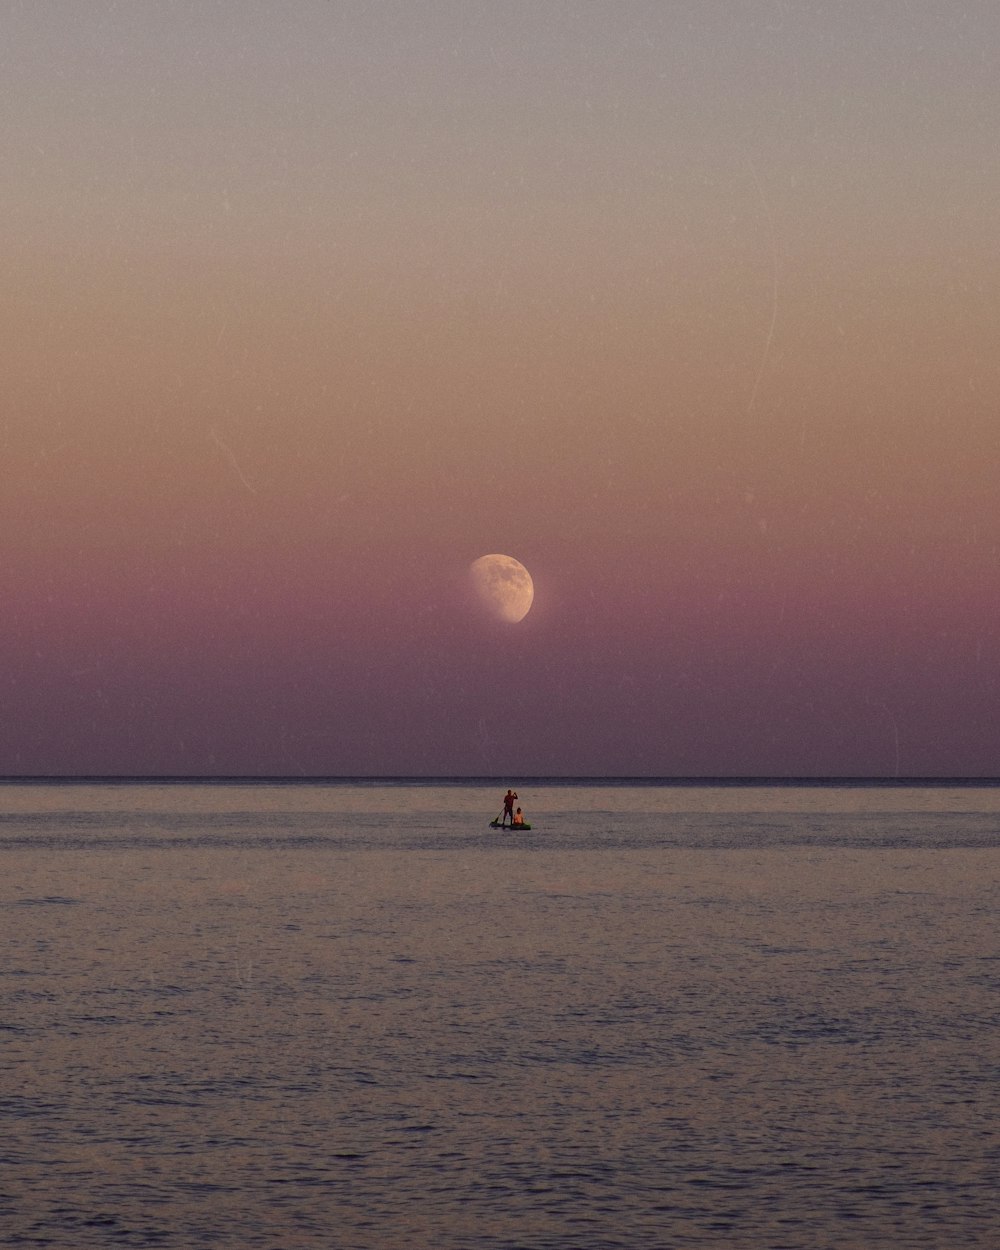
354	1016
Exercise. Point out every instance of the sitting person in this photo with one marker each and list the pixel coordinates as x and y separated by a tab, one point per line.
518	818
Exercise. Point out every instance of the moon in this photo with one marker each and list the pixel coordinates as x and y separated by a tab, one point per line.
504	586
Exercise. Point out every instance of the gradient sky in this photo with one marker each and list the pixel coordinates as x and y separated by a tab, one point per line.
692	307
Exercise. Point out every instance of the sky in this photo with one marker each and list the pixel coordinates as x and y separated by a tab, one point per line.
691	307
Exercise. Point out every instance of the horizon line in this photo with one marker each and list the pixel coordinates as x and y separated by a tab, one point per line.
459	779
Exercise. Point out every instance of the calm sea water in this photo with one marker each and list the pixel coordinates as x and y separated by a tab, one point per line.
355	1016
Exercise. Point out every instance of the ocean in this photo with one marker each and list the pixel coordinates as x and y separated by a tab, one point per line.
354	1016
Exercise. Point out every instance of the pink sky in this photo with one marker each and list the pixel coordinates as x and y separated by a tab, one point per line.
690	308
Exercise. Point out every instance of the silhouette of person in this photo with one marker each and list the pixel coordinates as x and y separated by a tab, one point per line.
508	808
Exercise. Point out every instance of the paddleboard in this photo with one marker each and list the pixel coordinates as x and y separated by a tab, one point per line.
495	824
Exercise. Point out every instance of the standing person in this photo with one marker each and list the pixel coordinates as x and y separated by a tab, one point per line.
508	808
